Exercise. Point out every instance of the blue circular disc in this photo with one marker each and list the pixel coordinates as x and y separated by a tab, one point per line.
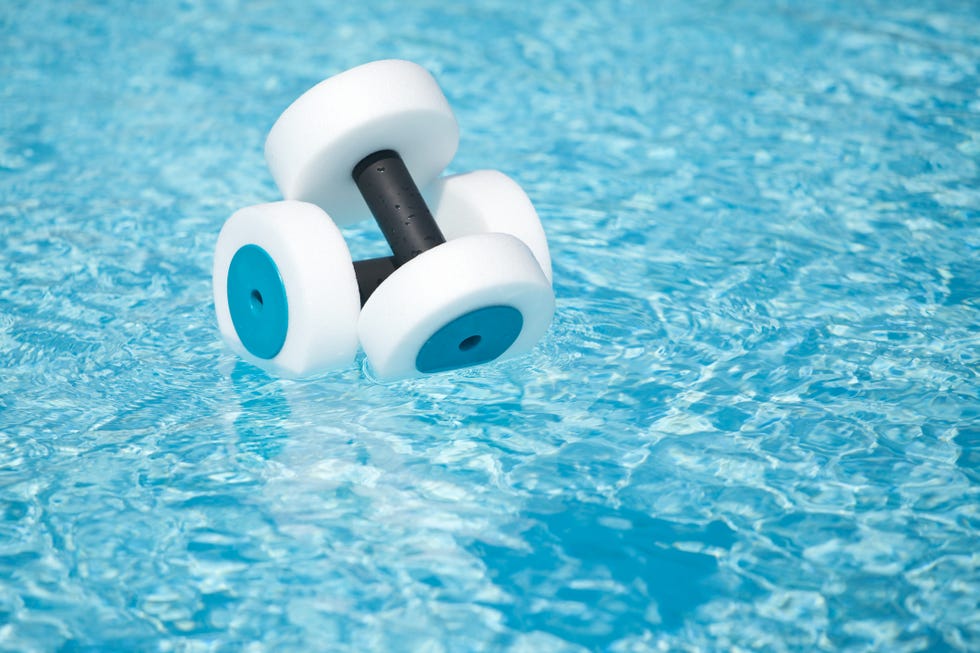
257	301
476	337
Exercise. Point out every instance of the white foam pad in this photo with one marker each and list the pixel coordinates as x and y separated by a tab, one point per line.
316	270
384	105
444	283
486	201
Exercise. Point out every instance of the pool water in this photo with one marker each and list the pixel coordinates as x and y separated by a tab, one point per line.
754	424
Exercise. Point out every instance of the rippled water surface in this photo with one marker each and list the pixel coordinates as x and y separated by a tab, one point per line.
755	422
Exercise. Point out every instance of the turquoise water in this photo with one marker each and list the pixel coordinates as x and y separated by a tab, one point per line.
755	423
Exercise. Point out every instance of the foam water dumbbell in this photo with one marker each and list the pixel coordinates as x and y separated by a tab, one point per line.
469	278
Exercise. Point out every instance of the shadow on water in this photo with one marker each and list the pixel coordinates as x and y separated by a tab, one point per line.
263	408
605	573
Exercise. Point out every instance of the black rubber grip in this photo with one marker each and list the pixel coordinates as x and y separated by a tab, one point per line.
397	205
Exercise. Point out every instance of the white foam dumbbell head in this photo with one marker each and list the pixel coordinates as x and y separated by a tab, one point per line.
487	201
384	105
472	300
284	289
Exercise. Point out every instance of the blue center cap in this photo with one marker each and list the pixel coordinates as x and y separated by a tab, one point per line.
476	337
257	301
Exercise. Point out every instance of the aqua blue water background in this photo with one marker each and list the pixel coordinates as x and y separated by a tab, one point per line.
754	424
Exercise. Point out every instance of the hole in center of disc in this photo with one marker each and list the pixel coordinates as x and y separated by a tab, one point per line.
470	343
256	301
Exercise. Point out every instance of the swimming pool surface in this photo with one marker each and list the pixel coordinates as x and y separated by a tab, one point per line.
754	424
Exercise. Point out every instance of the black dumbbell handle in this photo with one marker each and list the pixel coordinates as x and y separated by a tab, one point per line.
397	205
371	272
